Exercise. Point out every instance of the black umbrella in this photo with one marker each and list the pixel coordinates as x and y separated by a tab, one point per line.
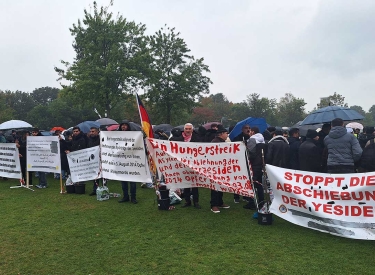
327	114
304	128
162	127
105	121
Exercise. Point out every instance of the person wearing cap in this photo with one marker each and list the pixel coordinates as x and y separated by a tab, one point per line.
189	135
310	156
217	196
343	149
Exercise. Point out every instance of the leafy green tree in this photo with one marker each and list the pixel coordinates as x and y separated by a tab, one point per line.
359	109
44	95
372	112
290	110
21	103
110	59
238	112
332	100
262	107
6	112
177	78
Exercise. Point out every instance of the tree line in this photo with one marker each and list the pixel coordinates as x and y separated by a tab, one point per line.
46	107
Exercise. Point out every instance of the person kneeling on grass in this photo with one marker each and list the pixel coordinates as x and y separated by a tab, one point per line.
217	196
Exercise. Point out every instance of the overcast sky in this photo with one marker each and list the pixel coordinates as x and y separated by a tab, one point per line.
309	48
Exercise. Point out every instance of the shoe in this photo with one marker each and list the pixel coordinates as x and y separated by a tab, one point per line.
236	200
186	205
225	206
249	206
196	205
92	193
123	200
134	201
215	209
38	186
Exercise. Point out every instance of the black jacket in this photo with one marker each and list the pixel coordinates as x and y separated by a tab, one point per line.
294	144
78	143
278	152
310	156
93	141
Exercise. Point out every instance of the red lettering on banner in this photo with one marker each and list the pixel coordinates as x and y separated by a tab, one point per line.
288	176
293	201
368	211
154	143
279	186
362	181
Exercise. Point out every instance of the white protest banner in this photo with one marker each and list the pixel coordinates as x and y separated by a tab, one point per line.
217	166
84	164
123	156
9	161
43	154
339	204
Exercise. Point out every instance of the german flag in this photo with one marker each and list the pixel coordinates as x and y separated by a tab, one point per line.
145	119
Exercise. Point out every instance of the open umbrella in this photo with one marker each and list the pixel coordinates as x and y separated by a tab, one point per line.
106	121
252	121
304	128
57	128
133	126
113	127
162	127
86	125
208	125
354	125
14	124
327	114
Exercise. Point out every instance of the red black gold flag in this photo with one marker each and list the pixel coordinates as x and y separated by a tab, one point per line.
145	119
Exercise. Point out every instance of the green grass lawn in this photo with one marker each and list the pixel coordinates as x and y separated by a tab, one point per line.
45	232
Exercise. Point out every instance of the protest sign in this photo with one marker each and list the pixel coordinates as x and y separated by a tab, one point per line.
84	164
217	166
9	161
43	154
123	156
339	204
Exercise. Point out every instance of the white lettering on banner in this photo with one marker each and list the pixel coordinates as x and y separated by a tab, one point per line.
123	156
9	161
217	166
43	154
84	164
339	204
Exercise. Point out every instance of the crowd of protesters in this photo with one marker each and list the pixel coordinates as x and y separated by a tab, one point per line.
333	149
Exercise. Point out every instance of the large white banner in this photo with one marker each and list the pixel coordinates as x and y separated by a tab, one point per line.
84	164
217	166
123	156
9	161
43	154
339	204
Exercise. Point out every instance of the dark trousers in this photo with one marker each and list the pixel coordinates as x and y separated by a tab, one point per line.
257	178
340	169
191	191
133	189
216	198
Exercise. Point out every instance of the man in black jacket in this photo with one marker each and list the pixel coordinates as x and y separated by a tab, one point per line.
217	196
278	150
188	135
294	144
310	153
94	140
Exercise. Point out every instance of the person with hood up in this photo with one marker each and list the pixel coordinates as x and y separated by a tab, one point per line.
368	134
278	150
125	126
343	149
310	153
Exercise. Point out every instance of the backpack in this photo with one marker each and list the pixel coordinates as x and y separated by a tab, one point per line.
367	160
